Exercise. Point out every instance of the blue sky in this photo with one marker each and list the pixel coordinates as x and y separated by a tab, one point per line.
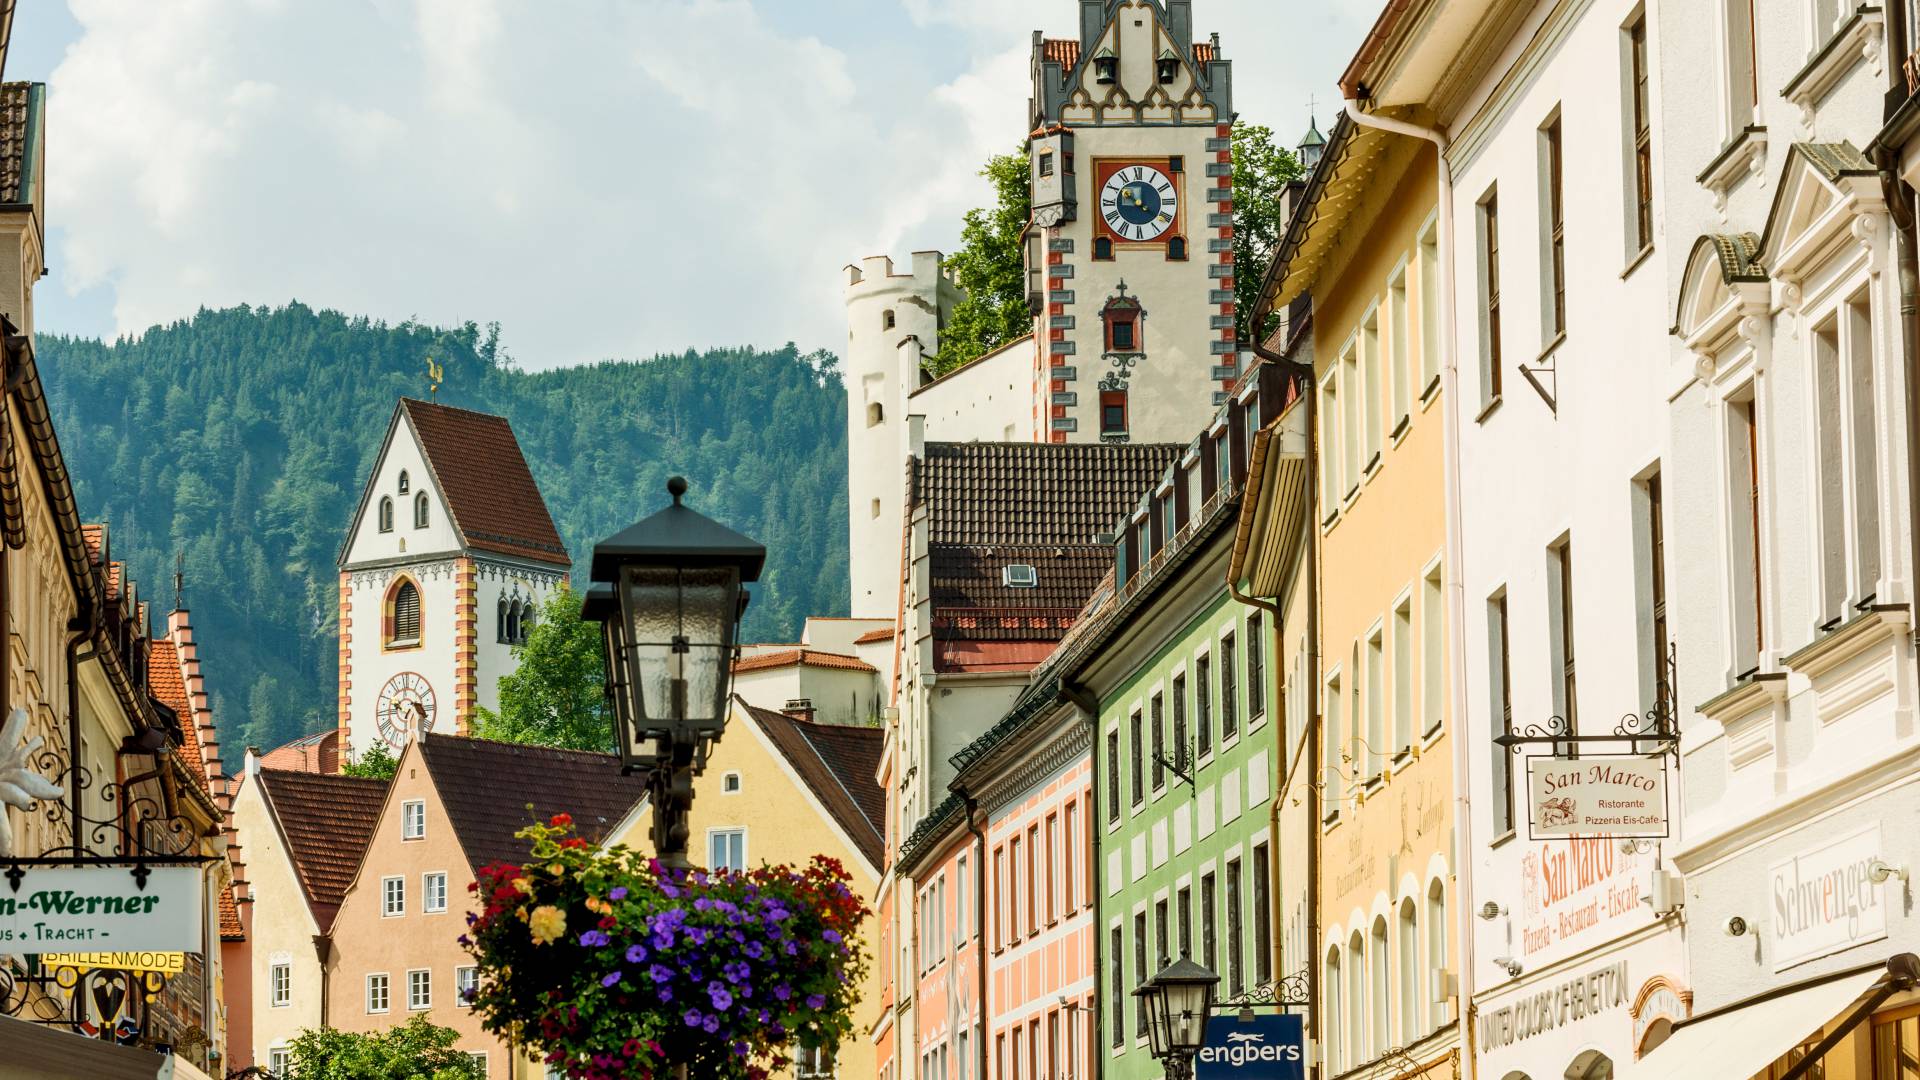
605	178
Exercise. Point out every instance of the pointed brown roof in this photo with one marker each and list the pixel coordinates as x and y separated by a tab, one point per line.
326	821
838	763
491	496
492	790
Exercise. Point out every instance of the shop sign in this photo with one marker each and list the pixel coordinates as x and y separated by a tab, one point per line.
1545	1010
164	963
1823	900
1618	795
102	907
1266	1046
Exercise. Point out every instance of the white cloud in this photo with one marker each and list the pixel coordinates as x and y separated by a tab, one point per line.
606	178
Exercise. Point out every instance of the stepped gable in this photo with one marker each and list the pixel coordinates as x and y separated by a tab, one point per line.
991	505
491	495
486	788
326	822
838	763
169	687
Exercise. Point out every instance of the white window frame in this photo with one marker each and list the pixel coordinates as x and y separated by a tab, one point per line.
729	830
731	778
388	908
486	1069
426	982
386	992
280	984
1835	306
426	892
280	1061
413	819
465	977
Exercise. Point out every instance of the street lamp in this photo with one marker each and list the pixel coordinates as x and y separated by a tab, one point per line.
668	594
1178	1002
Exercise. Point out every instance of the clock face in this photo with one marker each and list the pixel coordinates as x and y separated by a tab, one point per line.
1138	202
404	709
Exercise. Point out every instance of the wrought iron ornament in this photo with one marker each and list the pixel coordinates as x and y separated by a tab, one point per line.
1658	727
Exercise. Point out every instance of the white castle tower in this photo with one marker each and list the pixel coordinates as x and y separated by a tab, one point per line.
893	321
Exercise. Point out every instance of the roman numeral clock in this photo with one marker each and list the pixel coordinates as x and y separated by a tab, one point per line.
1139	202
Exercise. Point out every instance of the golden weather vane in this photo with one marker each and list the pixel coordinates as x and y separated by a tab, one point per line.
435	373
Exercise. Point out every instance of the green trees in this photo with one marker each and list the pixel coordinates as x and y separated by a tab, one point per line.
417	1050
377	763
1261	171
555	696
239	441
989	266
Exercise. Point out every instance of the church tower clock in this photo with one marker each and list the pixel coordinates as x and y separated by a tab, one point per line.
444	569
1132	167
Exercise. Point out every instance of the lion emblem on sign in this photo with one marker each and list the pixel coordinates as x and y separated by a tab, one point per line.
1560	811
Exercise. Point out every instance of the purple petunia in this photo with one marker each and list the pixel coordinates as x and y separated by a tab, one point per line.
721	999
712	1025
782	992
593	939
754	950
659	974
693	1018
816	1001
612	977
831	935
636	954
618	892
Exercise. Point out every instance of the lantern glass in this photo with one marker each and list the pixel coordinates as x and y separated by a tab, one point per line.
1153	1000
1186	1005
679	625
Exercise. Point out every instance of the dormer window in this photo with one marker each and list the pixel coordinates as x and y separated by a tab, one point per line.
403	482
1106	67
1168	66
386	514
1019	576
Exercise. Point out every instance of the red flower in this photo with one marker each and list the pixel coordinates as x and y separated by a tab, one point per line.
560	821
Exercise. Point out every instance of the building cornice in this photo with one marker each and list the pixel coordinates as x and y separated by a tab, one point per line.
1019	766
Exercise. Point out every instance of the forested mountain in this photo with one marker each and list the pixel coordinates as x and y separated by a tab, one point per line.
238	441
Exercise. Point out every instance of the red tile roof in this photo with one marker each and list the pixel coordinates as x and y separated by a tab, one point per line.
169	687
808	657
837	762
492	790
1063	51
316	753
230	928
1204	52
327	821
491	495
872	636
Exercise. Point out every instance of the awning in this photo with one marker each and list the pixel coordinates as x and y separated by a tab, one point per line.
37	1052
1745	1040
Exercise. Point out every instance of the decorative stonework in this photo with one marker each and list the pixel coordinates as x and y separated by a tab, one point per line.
466	679
346	660
20	784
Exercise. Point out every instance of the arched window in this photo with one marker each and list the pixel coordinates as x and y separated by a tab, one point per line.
1410	995
1437	934
386	514
874	413
500	620
1356	1000
1334	1017
420	511
513	621
1592	1065
886	319
403	614
404	484
1378	956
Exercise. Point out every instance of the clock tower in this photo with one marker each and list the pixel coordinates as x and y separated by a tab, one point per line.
1130	257
449	558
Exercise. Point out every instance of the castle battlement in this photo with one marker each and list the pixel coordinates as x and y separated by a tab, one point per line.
875	274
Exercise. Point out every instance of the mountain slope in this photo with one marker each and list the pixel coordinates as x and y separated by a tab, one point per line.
238	442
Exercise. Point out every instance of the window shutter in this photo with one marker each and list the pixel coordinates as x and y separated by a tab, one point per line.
406	612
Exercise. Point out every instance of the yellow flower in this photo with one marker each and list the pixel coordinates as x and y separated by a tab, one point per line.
599	906
558	869
548	924
523	885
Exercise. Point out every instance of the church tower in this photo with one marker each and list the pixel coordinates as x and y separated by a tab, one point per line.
446	565
1130	260
893	323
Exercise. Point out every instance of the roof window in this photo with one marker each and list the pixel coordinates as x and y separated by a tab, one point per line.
1019	576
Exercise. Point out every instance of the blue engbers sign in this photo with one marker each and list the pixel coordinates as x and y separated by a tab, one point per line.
1269	1046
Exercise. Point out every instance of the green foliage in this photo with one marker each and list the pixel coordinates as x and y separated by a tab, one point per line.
417	1050
1261	171
556	696
989	266
240	440
376	762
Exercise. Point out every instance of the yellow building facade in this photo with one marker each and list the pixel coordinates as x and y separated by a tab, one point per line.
1365	651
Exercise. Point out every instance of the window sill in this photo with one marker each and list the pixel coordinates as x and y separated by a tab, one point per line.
1636	262
1860	35
1503	839
1373	466
1401	756
1431	391
1488	411
1400	426
1559	338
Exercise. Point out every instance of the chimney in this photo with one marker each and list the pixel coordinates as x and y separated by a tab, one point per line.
799	708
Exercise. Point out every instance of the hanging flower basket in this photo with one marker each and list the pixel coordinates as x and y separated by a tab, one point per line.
613	966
